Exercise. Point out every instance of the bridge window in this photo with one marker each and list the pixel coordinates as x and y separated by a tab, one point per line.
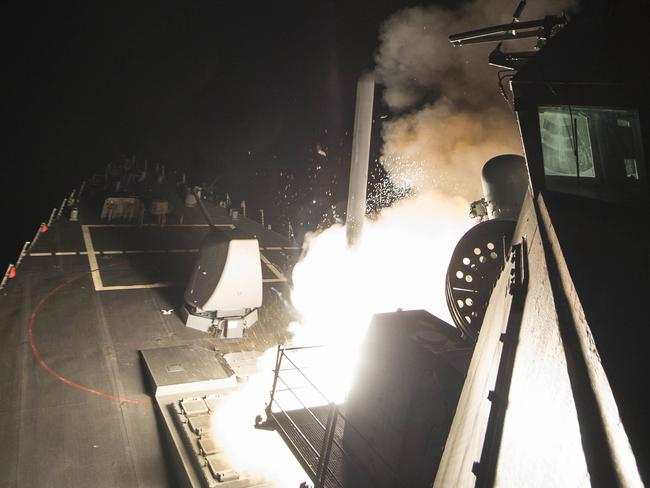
590	143
560	128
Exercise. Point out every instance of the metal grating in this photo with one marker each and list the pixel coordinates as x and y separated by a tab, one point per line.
313	433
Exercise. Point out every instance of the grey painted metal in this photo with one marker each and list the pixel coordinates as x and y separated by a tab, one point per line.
473	269
557	392
606	431
485	469
505	181
540	27
360	154
77	437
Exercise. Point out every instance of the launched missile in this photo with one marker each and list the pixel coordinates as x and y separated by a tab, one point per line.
360	154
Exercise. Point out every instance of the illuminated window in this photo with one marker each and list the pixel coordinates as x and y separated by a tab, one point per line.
590	142
560	128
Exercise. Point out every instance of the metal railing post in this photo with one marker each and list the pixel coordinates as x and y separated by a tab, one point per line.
278	361
36	236
52	215
58	215
5	277
23	251
321	475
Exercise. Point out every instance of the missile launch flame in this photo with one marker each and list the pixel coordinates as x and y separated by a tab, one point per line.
434	152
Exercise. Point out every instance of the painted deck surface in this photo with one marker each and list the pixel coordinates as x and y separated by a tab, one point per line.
74	406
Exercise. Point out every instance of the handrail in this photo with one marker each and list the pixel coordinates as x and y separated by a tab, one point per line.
330	440
301	403
295	348
305	376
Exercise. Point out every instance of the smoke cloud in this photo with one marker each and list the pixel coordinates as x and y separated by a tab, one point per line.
453	117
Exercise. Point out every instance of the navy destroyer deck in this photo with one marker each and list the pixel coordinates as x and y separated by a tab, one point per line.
76	408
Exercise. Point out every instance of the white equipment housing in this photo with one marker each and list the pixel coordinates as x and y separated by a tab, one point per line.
225	289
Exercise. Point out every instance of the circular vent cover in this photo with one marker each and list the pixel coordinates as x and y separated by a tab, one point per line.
473	270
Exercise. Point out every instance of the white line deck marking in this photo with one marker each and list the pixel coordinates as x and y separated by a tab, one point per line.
92	260
164	285
136	287
229	226
272	268
280	248
94	266
132	251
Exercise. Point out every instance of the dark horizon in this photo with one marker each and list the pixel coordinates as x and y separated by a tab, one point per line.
223	92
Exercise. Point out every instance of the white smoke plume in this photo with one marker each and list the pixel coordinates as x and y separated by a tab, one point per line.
454	118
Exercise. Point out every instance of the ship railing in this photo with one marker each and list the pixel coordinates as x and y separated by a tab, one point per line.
55	215
313	427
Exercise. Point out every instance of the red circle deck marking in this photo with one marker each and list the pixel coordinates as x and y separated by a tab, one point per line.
46	367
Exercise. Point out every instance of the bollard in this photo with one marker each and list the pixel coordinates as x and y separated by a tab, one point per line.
52	215
58	215
22	253
6	276
37	235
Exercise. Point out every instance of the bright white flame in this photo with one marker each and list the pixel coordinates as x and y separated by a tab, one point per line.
400	261
253	452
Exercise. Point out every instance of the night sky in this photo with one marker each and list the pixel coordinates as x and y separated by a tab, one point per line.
240	92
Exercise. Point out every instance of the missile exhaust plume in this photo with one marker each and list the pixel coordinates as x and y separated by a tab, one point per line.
450	116
449	120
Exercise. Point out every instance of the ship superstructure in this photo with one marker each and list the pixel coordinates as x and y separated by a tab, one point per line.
553	394
538	383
